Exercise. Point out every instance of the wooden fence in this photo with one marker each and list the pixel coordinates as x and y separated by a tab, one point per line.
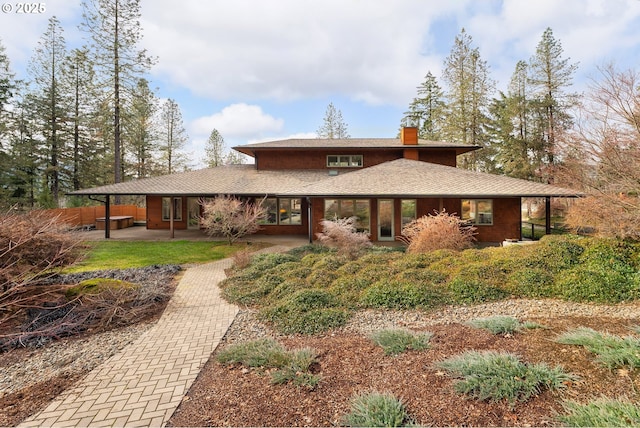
86	216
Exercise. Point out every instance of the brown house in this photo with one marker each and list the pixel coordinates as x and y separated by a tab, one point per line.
384	182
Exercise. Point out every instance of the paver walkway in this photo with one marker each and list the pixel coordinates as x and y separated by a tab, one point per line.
145	382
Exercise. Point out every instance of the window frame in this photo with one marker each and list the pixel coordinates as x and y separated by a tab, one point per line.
473	208
345	161
414	216
177	208
355	207
274	207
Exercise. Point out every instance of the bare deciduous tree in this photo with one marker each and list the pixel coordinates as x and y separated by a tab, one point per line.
342	233
437	231
603	156
232	218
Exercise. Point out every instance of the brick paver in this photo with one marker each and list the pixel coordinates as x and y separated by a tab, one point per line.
145	382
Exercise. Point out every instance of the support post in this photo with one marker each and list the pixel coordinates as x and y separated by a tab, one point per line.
171	217
107	217
547	209
309	220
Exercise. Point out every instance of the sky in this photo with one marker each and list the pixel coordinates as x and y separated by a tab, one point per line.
259	70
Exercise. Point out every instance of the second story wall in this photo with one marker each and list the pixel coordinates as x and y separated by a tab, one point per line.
317	159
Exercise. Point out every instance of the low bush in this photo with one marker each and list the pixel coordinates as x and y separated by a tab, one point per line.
601	413
496	376
306	311
292	366
612	351
497	324
438	231
530	282
97	286
375	409
402	295
396	341
342	234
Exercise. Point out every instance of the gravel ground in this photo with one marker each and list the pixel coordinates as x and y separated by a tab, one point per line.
248	327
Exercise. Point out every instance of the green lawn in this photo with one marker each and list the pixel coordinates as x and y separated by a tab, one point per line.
130	254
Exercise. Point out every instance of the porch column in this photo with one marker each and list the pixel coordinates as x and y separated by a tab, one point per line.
547	209
107	217
309	221
171	217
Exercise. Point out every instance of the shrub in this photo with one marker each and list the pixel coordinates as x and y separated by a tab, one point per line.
292	366
307	311
376	409
501	324
496	376
601	413
531	282
31	245
470	289
241	259
612	351
98	285
402	295
342	234
396	341
230	217
437	231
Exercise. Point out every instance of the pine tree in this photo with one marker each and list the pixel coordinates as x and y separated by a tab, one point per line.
114	29
173	137
549	77
46	68
468	88
79	77
427	109
214	150
141	130
333	126
7	86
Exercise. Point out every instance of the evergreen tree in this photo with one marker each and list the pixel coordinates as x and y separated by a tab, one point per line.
549	77
173	137
214	150
7	86
333	126
468	88
427	109
115	32
51	100
79	75
141	129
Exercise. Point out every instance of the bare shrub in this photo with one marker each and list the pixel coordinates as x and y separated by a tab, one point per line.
437	231
241	259
606	218
342	233
232	218
31	244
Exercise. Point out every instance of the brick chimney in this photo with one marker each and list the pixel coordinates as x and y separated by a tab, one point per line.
409	136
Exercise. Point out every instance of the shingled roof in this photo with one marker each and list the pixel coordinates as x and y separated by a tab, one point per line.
350	143
398	178
409	178
228	179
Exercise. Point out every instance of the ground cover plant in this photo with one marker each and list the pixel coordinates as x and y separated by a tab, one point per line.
290	366
601	413
375	409
612	351
317	289
502	324
396	341
496	376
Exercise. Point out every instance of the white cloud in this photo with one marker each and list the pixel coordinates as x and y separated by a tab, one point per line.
237	121
290	49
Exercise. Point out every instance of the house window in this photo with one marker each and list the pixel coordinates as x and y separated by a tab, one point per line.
477	211
343	208
409	211
282	211
344	161
290	211
166	209
271	211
